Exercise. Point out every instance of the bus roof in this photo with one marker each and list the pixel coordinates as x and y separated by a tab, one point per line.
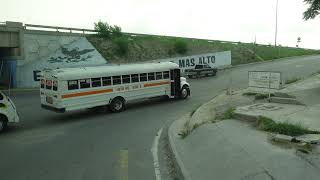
111	70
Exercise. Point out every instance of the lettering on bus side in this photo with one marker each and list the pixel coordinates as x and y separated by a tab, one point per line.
127	88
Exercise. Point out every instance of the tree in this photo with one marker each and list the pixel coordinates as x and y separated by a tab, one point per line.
313	10
107	31
103	29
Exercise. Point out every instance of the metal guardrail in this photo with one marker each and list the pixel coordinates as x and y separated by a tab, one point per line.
84	31
57	28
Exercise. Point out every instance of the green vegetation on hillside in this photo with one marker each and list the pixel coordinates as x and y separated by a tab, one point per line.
113	34
118	47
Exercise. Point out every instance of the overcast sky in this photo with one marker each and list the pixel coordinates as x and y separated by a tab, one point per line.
230	20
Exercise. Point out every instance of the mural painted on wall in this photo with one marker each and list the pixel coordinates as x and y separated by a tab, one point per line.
72	56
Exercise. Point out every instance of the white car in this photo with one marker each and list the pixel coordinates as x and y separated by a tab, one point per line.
8	112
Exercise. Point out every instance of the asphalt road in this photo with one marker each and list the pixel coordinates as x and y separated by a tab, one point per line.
90	145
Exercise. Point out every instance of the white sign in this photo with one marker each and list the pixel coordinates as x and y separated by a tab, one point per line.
218	60
264	79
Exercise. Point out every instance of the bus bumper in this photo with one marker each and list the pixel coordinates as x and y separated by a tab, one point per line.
59	110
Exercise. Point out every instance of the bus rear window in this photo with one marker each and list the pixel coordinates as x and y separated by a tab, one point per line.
73	84
42	83
48	84
55	85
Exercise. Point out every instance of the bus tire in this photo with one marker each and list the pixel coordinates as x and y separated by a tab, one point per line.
185	92
3	122
117	104
214	73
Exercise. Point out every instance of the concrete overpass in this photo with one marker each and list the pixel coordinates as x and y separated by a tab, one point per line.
26	49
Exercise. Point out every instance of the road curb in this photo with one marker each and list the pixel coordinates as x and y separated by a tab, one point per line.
266	61
177	159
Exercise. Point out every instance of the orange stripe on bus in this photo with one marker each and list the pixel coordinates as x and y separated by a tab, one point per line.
156	84
87	93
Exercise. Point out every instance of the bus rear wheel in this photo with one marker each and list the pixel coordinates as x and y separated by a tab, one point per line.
117	105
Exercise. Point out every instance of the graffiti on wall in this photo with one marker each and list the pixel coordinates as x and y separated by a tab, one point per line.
72	56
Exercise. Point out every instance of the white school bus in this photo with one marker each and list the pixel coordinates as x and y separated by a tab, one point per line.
69	89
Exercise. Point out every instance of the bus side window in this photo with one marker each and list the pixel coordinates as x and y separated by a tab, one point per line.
134	78
84	83
73	84
95	82
151	76
143	77
166	75
55	86
116	80
42	83
158	75
125	79
48	84
106	81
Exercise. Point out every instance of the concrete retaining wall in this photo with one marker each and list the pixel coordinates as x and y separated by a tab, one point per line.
51	51
37	46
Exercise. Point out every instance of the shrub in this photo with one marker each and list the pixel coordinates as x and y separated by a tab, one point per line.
116	31
180	46
286	128
184	133
293	80
122	44
228	114
262	96
249	94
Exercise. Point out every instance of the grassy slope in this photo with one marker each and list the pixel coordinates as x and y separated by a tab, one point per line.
144	48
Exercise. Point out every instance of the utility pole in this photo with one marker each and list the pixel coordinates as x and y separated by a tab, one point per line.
276	32
254	47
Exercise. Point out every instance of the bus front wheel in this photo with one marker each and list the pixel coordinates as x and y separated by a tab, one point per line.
3	123
117	105
185	92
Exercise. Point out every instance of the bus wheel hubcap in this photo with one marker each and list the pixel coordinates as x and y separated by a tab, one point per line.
118	105
184	93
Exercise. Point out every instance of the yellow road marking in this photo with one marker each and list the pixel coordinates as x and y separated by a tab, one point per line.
123	161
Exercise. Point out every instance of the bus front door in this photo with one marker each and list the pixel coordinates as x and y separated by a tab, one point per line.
175	82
